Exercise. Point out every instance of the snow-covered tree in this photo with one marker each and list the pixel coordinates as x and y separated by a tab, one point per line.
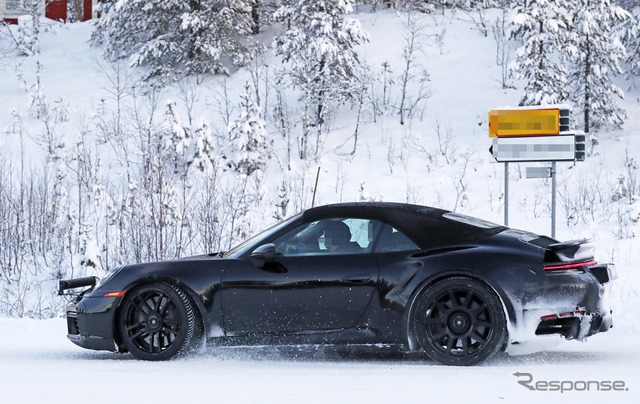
28	32
319	47
599	57
174	35
630	36
194	147
25	39
626	4
422	6
249	148
543	27
413	77
476	10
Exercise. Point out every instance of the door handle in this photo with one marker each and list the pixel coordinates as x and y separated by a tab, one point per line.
356	279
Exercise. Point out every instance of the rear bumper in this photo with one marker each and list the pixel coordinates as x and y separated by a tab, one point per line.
571	304
90	323
576	326
585	321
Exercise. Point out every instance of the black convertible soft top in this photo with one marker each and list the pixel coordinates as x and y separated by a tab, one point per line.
425	226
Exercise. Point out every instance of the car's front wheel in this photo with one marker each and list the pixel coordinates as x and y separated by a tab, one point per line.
459	321
158	321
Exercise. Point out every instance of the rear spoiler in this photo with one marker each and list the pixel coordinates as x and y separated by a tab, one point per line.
76	283
577	254
572	251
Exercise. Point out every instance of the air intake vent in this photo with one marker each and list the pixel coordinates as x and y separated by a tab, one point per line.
72	325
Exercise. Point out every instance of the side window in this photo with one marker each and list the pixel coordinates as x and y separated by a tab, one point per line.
329	236
392	240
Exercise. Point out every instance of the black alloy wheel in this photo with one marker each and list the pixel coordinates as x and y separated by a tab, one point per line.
158	321
459	321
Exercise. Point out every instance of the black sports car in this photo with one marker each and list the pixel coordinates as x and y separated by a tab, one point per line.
458	288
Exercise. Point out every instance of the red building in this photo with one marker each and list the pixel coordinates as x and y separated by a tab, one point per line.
10	10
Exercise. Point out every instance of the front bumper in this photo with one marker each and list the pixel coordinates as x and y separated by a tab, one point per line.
90	323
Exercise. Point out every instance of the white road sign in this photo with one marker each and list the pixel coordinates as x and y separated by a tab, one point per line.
534	148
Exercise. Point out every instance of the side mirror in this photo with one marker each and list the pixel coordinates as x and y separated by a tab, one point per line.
263	254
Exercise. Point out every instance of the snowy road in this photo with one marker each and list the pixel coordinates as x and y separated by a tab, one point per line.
38	365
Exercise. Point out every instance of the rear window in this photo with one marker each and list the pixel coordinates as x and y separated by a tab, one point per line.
473	221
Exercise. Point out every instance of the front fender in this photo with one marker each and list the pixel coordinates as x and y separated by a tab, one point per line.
199	279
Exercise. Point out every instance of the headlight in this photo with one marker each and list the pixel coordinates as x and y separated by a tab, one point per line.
103	281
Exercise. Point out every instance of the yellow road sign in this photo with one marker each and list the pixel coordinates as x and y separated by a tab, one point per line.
524	122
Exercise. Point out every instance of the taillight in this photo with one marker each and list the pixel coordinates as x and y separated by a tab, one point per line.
569	266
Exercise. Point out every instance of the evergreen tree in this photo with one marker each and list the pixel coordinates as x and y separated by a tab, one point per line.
631	40
319	47
249	149
598	59
543	26
175	35
628	5
194	147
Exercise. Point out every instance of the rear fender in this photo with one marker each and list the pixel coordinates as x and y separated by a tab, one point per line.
428	281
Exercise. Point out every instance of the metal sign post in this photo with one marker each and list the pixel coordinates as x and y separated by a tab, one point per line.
553	199
547	172
506	194
534	134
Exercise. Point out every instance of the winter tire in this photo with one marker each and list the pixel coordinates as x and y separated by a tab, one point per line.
158	321
459	321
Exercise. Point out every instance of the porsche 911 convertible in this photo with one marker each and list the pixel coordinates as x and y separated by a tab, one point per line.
458	288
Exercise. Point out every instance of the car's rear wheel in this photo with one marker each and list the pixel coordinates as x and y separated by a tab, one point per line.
459	321
158	321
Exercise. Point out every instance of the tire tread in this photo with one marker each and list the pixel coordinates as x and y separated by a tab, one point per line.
501	338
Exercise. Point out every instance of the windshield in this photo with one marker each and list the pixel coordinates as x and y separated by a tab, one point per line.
243	247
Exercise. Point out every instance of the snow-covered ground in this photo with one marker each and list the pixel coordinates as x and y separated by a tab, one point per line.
38	365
